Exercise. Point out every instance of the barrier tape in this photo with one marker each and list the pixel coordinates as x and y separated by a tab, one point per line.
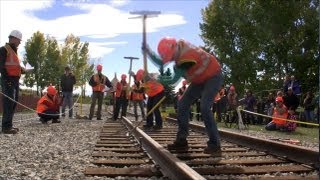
35	110
289	120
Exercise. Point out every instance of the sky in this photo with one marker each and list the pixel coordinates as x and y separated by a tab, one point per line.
107	25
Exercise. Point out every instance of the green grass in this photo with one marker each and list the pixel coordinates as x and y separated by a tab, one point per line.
302	134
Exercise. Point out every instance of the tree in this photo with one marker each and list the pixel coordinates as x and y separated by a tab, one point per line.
35	55
52	69
75	54
168	88
258	42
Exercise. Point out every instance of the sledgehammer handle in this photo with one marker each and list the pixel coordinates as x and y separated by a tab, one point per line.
149	112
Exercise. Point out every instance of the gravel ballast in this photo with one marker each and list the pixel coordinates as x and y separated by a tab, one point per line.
48	151
57	151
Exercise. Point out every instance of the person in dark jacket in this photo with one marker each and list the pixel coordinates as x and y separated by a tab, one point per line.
10	74
291	100
67	82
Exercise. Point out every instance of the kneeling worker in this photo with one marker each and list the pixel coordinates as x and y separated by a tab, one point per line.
48	106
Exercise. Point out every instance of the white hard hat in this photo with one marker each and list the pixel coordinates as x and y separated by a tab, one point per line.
16	34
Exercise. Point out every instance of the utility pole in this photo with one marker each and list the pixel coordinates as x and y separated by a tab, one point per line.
144	15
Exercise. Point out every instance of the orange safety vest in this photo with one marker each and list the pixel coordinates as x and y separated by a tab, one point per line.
120	88
136	96
101	85
153	88
283	116
12	63
45	103
205	67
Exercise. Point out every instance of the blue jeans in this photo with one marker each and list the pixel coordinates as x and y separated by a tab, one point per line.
11	89
308	114
206	91
141	105
67	101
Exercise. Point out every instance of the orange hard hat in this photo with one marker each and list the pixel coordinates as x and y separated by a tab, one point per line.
184	82
51	90
99	67
139	74
123	76
166	48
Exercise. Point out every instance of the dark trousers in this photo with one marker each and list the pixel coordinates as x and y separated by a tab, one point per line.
96	96
152	101
11	89
121	102
49	115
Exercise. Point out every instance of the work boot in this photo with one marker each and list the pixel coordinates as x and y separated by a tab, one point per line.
178	145
43	121
56	121
146	127
215	151
156	127
9	131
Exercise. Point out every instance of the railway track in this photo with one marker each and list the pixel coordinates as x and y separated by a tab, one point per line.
125	151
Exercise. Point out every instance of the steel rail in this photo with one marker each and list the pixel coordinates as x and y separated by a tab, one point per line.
169	165
288	151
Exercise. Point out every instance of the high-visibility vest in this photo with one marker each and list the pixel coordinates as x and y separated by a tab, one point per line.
153	88
205	67
283	116
135	95
120	88
12	63
45	103
100	84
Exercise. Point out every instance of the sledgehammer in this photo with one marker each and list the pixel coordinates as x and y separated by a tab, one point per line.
148	113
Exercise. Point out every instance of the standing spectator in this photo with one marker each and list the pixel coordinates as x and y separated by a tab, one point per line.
232	98
204	72
137	96
260	109
286	83
121	97
155	92
98	82
309	106
10	74
221	103
67	82
48	106
269	105
291	100
279	111
249	103
295	85
232	103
